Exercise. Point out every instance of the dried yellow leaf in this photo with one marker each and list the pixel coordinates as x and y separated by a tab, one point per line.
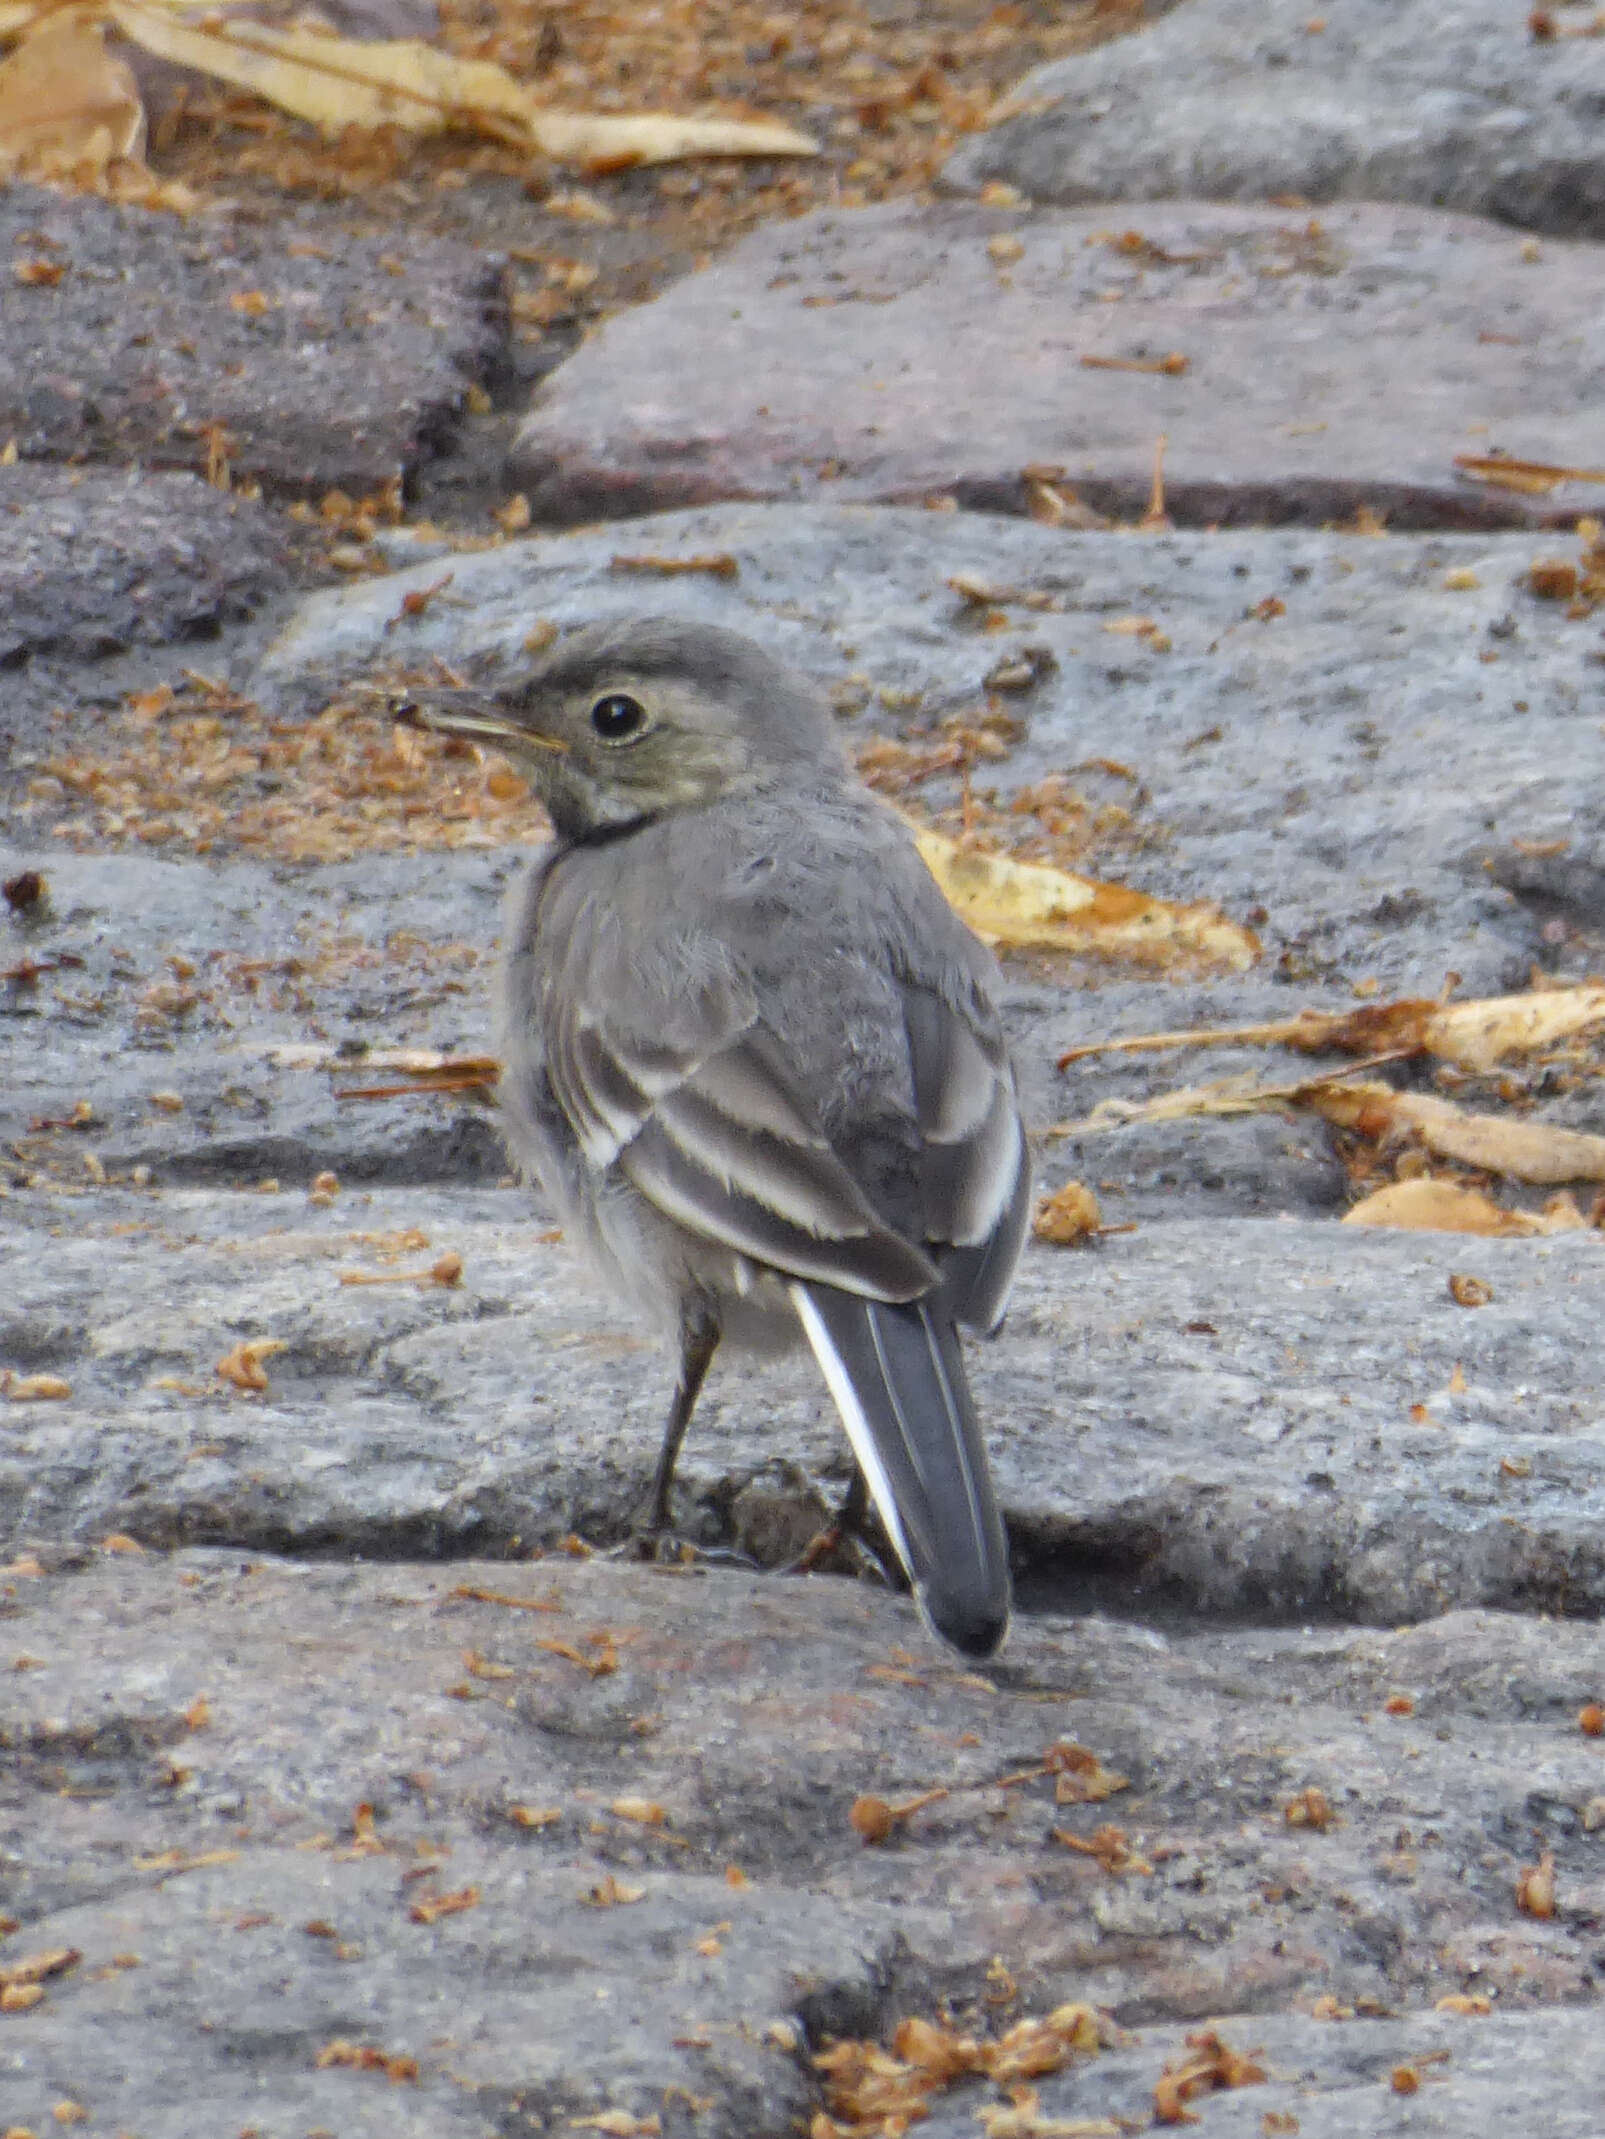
336	82
1524	1150
1028	905
65	104
1428	1206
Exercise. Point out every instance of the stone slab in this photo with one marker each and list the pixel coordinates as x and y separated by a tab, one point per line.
1227	1416
329	360
235	1913
1246	99
1285	757
900	352
94	562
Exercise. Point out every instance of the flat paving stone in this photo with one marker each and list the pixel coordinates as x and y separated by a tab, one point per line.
1247	99
897	353
1324	746
261	1809
94	562
1272	1417
324	361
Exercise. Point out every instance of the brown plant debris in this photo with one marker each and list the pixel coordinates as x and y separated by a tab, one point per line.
1310	1807
430	1908
1208	2063
1535	1889
1027	905
1535	478
242	1367
66	104
875	2093
364	2057
1069	1216
717	564
1473	1035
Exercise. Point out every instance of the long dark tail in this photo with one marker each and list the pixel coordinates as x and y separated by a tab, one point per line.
898	1379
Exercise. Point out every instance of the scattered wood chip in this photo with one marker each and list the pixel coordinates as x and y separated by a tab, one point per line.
718	564
173	1861
551	1602
1080	1777
430	1908
644	1811
39	1967
877	2091
1310	1808
1070	1215
242	1367
534	1815
1021	670
1209	2063
445	1270
1472	2003
1173	366
619	2124
1109	1845
479	1666
603	1660
33	1388
1535	1888
611	1893
1534	478
873	1820
1468	1291
364	2057
1025	2119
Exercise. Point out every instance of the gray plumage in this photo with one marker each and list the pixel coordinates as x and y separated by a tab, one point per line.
752	1055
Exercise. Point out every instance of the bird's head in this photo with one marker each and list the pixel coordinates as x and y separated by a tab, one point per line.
625	721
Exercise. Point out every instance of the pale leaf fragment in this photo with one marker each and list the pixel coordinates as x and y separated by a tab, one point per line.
66	105
1028	905
1474	1035
608	143
1428	1206
1523	1150
336	82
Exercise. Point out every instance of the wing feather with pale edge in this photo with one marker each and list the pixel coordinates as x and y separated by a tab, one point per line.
720	1141
977	1171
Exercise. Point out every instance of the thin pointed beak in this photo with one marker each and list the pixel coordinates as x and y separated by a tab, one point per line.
447	714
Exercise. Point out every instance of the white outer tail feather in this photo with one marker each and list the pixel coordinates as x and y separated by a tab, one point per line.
841	1388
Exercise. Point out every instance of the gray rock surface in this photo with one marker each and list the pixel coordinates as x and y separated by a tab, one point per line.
329	361
234	1791
1231	1416
1284	757
95	563
898	352
1245	99
1242	1428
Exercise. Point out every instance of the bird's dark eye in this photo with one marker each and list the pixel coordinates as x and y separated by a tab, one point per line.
618	717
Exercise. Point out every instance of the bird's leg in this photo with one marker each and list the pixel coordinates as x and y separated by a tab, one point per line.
699	1340
854	1510
850	1526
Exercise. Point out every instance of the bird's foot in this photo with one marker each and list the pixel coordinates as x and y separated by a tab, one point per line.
652	1543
